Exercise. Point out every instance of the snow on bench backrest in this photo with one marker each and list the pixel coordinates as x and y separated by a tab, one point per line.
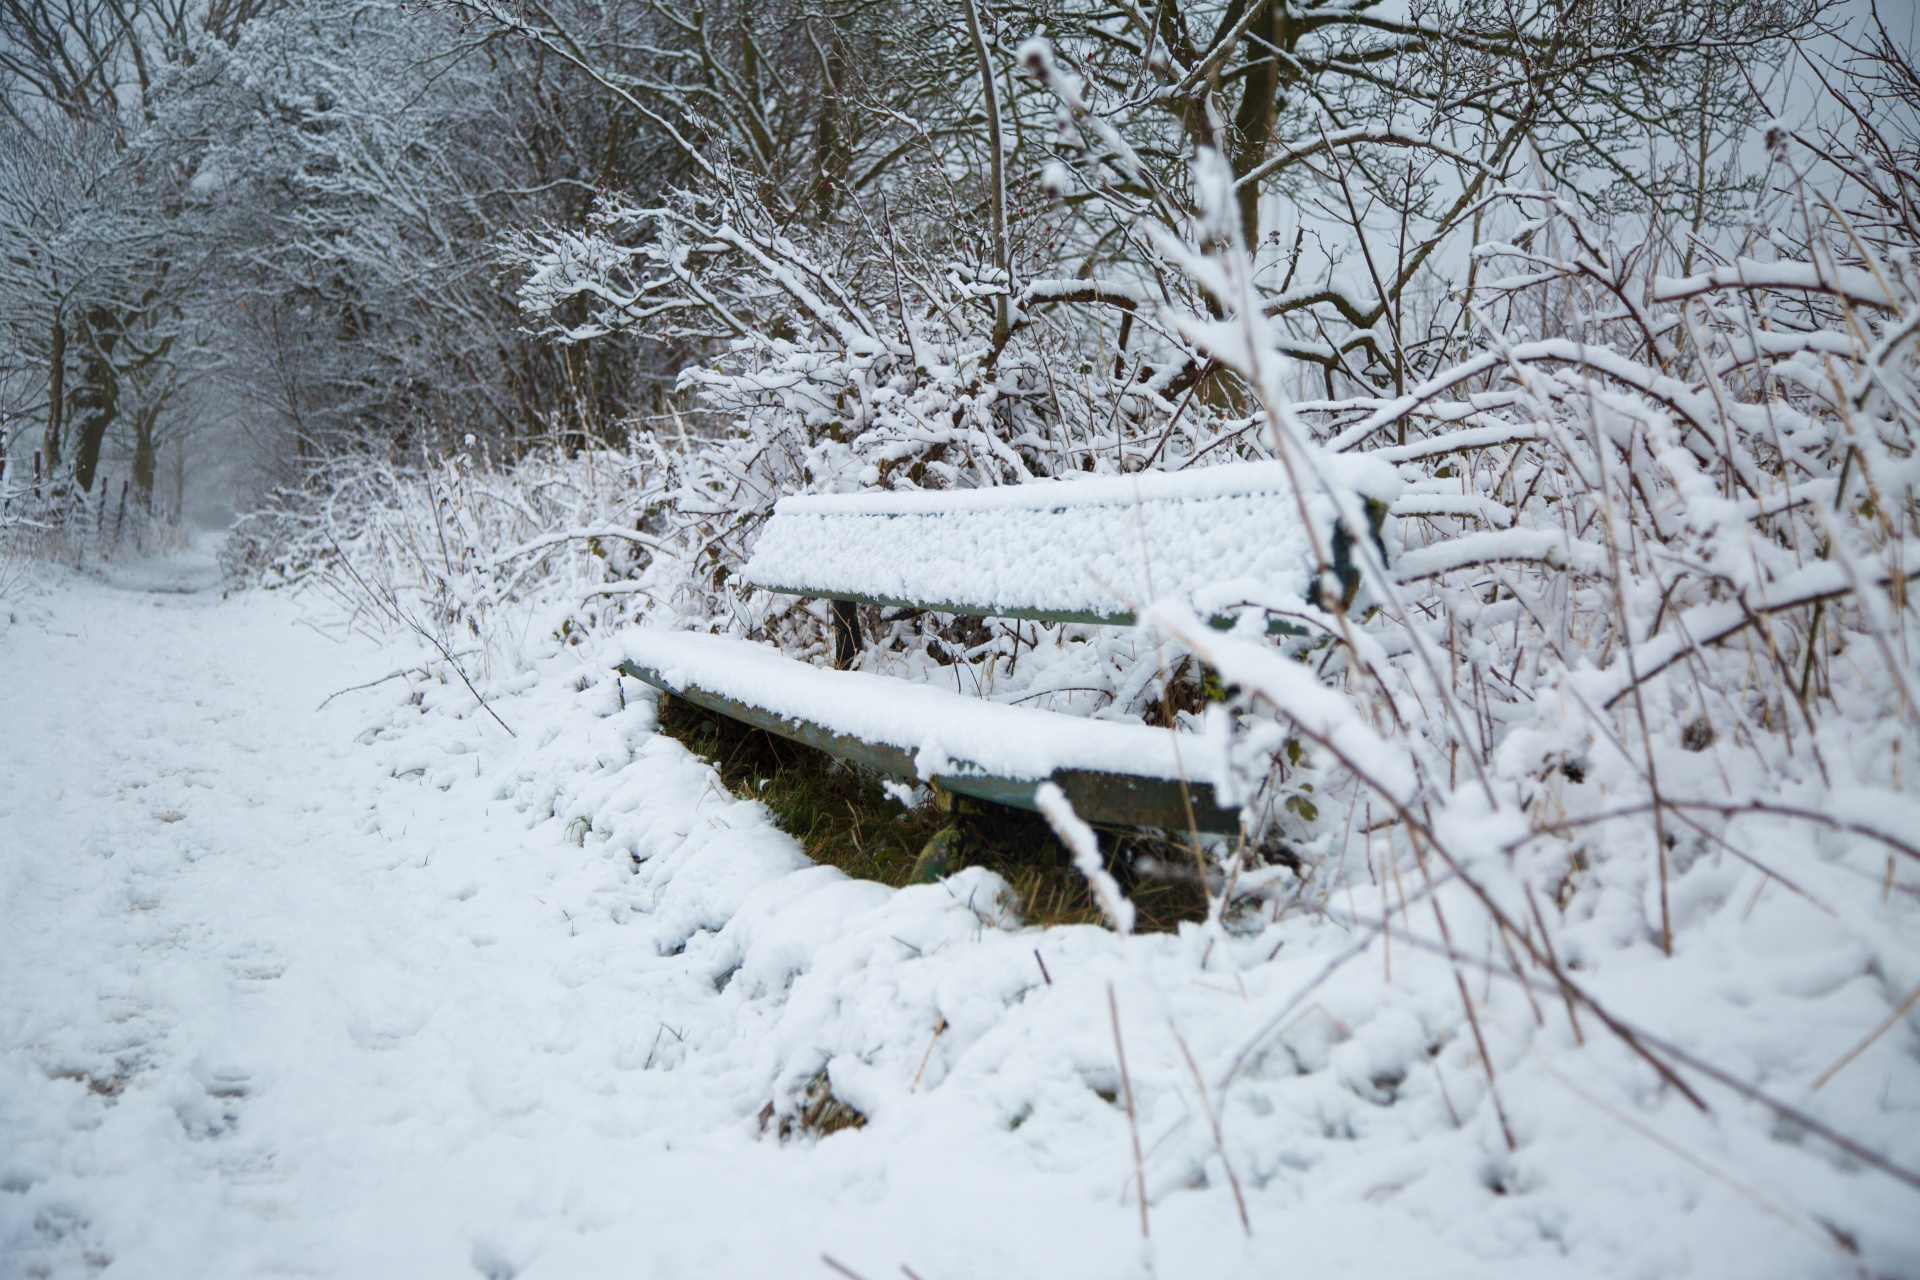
1080	550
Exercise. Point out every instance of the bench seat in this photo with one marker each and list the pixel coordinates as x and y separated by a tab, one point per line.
1113	773
1057	550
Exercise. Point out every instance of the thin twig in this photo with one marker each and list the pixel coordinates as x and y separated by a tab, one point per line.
1213	1120
1133	1122
1899	1012
927	1057
355	688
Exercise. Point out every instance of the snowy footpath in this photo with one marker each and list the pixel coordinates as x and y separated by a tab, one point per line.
373	989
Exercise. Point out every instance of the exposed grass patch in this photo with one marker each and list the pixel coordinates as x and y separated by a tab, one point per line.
843	817
818	1112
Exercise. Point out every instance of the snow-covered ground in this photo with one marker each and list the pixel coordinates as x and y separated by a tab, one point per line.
373	989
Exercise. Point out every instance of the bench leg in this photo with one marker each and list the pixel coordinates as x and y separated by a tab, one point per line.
846	634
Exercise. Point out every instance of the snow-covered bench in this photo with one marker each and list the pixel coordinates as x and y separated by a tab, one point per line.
1224	539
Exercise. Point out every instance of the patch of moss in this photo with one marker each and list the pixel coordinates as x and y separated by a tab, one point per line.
842	816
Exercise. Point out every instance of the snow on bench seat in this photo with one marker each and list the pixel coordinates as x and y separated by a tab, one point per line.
1059	550
1125	774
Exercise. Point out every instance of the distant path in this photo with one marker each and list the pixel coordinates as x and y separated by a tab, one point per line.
198	959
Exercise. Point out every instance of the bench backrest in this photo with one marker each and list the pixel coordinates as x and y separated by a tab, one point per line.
1059	551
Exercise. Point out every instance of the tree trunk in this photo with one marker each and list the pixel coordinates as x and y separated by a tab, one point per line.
1259	114
143	459
56	394
830	151
99	393
92	433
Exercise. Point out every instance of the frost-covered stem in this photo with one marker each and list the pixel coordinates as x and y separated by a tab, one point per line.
1133	1117
1081	842
1213	1119
1546	941
1473	1019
